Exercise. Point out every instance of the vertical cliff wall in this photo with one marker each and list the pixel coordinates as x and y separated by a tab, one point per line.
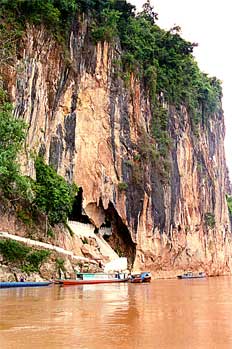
95	129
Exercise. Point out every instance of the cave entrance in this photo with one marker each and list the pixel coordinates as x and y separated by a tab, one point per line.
108	224
78	213
120	239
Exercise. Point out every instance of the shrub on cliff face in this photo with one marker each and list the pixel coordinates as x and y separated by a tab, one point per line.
13	251
20	255
51	193
122	186
35	259
54	196
229	204
12	137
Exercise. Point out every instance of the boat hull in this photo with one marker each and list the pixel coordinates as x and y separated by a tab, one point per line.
190	277
90	282
24	284
136	280
142	277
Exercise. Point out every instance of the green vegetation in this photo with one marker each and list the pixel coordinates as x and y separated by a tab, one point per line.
50	193
17	254
12	136
56	15
209	220
122	186
161	60
13	251
84	240
229	203
25	216
54	196
60	264
50	233
34	260
108	29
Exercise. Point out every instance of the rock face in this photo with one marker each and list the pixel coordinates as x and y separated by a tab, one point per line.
88	123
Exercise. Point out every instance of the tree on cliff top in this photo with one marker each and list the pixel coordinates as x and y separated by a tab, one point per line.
148	12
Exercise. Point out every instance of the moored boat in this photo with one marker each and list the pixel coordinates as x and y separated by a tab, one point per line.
94	278
24	284
140	277
191	275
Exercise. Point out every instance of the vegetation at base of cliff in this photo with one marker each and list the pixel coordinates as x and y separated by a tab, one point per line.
54	196
19	255
50	193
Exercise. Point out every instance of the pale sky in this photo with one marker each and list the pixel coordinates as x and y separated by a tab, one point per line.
207	22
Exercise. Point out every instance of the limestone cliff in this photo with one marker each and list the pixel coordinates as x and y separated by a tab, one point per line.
91	126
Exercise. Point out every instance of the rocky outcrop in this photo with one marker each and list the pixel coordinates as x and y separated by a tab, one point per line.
91	125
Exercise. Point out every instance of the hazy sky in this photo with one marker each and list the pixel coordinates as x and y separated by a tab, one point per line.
207	22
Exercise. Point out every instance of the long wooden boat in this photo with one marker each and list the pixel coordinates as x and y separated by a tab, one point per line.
69	282
190	275
24	284
94	278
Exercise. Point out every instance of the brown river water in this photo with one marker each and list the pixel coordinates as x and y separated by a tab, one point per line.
163	314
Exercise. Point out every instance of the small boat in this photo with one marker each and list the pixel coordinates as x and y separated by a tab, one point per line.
24	284
191	275
94	278
141	277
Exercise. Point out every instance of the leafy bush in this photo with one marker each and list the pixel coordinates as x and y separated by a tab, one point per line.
57	15
25	216
36	258
108	28
13	251
22	256
54	196
12	136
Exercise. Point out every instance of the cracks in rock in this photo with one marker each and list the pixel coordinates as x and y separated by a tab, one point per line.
61	85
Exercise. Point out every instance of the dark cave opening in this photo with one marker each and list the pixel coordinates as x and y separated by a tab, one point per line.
78	213
120	239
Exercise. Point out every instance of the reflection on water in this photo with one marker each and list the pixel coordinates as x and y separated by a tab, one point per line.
163	314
